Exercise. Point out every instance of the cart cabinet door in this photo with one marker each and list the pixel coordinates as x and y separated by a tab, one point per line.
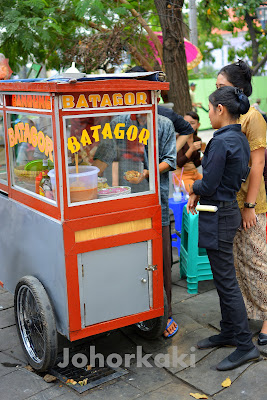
113	282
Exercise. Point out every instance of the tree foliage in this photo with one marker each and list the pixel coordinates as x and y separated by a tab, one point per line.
37	30
215	14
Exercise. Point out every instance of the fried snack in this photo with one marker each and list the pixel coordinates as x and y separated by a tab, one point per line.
132	175
102	185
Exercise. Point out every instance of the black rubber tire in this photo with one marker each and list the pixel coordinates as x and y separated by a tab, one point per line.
35	321
153	328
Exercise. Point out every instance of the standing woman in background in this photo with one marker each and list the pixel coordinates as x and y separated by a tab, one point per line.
250	248
225	166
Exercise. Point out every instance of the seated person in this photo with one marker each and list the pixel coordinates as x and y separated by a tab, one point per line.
188	157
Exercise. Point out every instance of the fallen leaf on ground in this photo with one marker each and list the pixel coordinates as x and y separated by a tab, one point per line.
71	382
49	378
198	396
29	368
88	367
83	382
227	382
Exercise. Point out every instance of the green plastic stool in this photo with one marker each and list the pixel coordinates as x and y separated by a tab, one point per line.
194	262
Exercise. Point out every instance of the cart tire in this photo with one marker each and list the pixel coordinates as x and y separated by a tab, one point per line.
36	324
153	328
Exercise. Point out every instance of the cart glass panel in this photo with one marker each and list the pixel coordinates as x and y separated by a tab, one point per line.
3	170
108	156
31	147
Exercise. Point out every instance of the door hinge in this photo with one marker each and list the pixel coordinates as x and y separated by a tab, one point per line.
82	271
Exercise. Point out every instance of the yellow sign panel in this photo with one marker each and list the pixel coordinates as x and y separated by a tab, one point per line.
22	133
119	132
104	100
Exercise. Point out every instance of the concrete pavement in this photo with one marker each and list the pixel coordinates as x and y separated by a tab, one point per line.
187	369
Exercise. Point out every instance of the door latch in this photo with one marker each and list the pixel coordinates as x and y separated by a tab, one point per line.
151	268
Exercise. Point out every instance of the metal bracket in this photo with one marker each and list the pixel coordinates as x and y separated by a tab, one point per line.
151	268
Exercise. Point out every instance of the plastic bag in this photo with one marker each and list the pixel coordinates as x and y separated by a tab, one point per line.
5	70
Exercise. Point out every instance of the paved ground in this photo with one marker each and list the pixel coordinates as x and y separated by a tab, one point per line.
187	369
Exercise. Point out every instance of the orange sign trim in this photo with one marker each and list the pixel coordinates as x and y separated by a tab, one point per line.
31	101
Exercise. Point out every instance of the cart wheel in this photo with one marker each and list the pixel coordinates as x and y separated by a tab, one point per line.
153	328
36	323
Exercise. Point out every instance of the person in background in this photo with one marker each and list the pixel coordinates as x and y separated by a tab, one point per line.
225	166
250	248
188	158
192	89
256	105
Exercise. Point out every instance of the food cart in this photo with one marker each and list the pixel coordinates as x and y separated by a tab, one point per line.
86	257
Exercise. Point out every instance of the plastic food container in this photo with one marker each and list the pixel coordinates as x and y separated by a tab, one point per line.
82	186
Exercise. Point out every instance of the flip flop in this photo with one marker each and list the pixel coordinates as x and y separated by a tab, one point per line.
174	332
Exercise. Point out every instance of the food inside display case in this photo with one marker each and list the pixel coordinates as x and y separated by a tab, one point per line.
31	143
106	155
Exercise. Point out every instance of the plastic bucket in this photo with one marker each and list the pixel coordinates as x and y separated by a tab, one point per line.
82	185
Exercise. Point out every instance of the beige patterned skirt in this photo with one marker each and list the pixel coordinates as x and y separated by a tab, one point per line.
250	254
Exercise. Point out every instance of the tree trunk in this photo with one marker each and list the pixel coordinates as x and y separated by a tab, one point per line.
259	65
254	42
170	15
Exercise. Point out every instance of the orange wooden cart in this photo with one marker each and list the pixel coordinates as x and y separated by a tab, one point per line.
88	266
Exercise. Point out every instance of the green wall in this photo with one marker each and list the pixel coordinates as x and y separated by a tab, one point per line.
204	87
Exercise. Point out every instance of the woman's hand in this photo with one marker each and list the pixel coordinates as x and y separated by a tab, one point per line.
192	203
196	145
193	147
191	191
249	218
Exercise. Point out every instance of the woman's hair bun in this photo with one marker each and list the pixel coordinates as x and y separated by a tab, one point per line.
243	101
245	69
239	74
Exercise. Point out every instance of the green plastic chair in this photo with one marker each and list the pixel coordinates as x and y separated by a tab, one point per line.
194	262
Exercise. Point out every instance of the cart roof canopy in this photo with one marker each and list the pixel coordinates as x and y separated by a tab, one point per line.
157	76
